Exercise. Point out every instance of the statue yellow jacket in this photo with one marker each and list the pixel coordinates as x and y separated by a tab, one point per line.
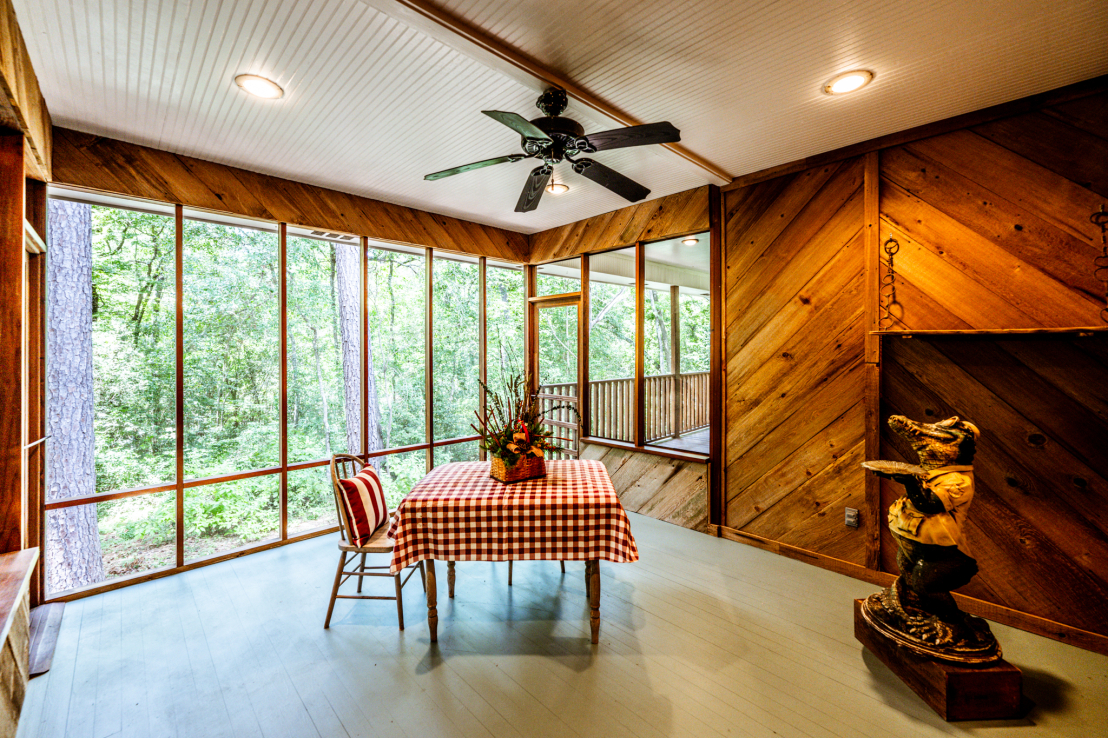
953	485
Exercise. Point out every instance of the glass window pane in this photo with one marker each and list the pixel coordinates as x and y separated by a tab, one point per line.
456	350
505	301
311	500
675	356
88	544
399	473
612	344
397	316
232	356
559	277
467	451
229	515
324	348
133	348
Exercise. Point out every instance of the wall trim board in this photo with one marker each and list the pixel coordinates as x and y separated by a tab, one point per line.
103	164
22	106
997	613
965	120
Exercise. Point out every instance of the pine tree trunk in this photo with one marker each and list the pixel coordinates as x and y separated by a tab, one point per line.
347	265
72	537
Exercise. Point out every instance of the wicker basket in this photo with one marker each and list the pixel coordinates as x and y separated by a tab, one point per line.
531	467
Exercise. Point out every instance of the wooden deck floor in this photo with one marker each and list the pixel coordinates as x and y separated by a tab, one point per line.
697	442
701	637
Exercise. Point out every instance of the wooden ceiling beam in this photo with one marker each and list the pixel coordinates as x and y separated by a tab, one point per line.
463	37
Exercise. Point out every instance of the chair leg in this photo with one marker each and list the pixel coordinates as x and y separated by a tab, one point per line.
361	579
423	577
510	573
563	566
399	602
335	590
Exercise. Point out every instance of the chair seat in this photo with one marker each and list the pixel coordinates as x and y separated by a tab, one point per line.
379	542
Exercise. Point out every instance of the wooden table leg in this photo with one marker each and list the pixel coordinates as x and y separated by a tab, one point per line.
432	601
450	577
594	600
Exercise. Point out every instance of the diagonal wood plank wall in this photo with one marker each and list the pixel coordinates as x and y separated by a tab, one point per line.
794	358
993	225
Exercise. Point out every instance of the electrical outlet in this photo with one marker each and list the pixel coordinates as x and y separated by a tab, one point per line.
852	517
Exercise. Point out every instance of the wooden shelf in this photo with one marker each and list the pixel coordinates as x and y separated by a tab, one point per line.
1015	332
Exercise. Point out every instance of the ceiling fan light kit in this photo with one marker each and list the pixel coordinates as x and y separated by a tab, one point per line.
553	139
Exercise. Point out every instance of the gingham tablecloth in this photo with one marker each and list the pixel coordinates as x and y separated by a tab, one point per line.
459	513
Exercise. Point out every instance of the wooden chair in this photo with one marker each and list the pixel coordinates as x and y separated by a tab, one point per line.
344	466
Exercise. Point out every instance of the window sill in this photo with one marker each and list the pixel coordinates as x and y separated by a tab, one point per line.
668	453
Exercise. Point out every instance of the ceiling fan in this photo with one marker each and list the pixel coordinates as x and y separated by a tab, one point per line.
553	138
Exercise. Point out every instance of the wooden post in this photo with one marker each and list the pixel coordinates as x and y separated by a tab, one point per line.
717	370
872	518
483	360
584	404
530	328
179	370
283	431
36	385
12	390
429	362
640	364
675	352
365	347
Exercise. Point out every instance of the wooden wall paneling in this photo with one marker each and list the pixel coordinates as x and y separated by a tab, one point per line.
12	390
106	165
673	215
672	490
871	518
36	383
994	227
22	106
717	410
794	355
1038	526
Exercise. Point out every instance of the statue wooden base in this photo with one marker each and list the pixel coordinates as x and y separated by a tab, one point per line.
956	692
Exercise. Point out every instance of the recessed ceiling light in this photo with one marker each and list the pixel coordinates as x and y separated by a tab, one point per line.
846	82
690	241
259	86
557	188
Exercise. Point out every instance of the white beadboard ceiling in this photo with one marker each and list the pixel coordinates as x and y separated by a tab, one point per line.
374	100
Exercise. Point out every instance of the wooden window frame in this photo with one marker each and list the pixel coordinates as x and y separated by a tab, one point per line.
180	484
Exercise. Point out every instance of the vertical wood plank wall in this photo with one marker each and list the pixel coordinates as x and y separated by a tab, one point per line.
993	224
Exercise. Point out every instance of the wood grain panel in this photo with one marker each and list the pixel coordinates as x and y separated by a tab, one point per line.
673	215
22	106
107	165
794	310
1039	522
993	221
667	489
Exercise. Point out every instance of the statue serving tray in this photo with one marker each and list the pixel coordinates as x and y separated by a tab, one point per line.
892	467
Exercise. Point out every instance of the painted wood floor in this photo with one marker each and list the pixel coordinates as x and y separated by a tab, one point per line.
701	637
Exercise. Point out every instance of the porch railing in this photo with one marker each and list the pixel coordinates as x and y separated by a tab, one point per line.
673	405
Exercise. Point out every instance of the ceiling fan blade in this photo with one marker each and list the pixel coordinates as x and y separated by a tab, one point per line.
618	138
475	165
519	124
626	188
532	190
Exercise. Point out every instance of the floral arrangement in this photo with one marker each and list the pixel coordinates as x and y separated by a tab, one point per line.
512	428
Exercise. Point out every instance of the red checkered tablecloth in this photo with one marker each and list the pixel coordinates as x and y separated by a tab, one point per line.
459	513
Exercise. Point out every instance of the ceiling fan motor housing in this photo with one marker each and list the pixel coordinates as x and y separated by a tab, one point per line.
563	131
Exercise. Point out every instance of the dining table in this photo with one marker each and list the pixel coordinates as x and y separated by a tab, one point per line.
459	512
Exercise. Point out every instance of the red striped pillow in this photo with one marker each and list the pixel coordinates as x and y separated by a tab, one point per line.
364	498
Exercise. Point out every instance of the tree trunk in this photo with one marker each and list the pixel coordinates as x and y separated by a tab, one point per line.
72	537
323	401
665	362
348	264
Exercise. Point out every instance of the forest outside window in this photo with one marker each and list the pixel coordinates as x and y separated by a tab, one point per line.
169	380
